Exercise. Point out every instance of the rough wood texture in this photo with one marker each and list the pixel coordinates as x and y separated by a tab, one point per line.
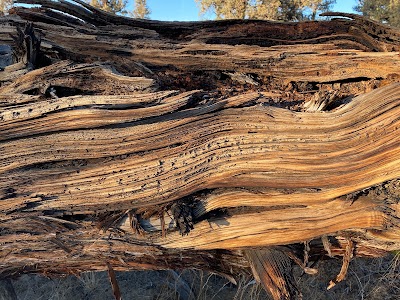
141	144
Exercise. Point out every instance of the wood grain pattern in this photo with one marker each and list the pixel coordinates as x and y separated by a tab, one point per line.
157	145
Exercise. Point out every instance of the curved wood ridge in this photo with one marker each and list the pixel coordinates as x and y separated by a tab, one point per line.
164	158
319	52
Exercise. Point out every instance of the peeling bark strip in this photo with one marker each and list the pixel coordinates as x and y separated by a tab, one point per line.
234	146
273	269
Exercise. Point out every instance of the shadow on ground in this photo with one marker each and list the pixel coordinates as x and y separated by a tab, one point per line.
367	279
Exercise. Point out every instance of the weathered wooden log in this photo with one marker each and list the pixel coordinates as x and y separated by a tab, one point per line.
134	144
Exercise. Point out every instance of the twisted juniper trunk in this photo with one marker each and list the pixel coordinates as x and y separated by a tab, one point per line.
235	146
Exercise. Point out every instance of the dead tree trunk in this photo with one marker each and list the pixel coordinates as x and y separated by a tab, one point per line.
233	146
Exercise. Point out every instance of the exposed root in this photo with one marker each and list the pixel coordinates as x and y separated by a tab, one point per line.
114	283
348	255
327	245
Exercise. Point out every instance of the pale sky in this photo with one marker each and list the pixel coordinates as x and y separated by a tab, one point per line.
187	10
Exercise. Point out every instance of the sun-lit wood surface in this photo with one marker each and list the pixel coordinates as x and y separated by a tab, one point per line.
143	144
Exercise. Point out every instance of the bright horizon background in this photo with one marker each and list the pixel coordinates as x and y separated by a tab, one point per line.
188	10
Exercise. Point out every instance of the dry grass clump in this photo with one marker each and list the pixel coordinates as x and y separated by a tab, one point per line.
369	279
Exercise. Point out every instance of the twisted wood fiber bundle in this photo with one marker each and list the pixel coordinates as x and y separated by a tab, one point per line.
318	155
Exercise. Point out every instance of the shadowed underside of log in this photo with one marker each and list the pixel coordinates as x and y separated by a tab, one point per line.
228	146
